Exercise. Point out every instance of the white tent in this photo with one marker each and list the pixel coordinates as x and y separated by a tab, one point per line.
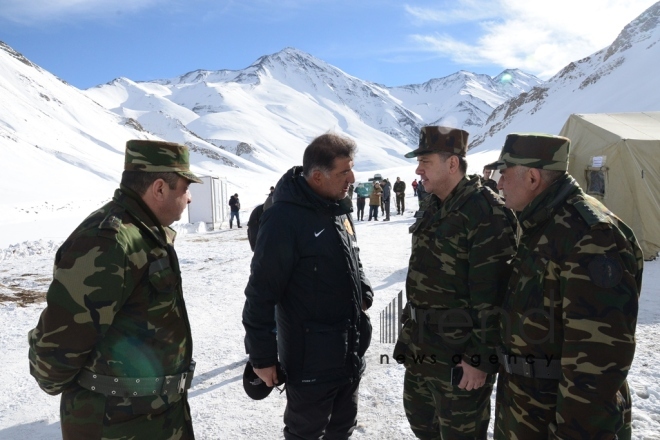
615	157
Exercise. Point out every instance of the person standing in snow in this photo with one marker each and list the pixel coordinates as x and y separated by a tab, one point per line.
121	360
414	187
374	201
306	265
269	199
361	203
234	206
385	203
462	241
400	192
579	269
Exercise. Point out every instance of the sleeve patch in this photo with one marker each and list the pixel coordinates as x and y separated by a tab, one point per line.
605	272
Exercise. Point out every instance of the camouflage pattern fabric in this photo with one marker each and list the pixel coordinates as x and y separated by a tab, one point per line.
436	409
115	307
458	265
435	139
573	296
158	157
534	150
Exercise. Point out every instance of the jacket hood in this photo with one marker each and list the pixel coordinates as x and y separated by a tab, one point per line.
293	188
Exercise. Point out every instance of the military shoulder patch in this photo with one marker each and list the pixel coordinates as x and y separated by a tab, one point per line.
605	272
590	213
111	222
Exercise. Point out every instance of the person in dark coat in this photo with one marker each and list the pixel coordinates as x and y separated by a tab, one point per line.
385	201
235	206
306	266
487	181
361	203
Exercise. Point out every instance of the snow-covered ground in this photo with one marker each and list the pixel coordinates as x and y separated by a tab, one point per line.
215	269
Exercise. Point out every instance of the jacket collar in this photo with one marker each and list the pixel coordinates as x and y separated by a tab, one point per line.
134	205
546	204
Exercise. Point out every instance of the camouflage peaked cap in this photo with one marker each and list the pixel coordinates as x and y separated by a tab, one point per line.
158	157
534	150
436	139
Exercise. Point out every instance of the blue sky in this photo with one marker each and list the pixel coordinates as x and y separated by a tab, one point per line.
90	42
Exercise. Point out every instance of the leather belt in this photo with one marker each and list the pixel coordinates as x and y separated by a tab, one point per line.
136	386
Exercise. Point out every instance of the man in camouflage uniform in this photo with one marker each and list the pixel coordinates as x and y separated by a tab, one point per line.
461	242
569	316
114	338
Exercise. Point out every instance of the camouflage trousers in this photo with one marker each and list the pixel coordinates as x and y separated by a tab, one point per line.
92	416
525	409
436	409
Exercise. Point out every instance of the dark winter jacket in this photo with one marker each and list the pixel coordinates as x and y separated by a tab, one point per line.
234	204
386	191
307	265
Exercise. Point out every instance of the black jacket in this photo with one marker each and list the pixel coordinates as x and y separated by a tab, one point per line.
307	265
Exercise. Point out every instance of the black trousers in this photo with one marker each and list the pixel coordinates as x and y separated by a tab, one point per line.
321	412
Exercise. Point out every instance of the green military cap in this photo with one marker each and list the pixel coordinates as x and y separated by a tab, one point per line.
158	157
436	139
534	150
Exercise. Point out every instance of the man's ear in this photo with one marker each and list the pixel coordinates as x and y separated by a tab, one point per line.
157	189
534	178
453	164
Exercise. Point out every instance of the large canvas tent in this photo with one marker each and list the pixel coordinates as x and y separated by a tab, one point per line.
615	157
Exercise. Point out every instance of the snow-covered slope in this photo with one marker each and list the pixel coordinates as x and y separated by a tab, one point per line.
622	77
269	111
463	99
52	135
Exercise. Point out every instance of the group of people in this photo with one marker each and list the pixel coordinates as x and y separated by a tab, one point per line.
540	285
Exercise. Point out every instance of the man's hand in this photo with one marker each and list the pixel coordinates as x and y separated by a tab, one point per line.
473	378
268	375
364	306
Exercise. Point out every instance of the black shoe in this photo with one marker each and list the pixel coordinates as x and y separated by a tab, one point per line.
240	226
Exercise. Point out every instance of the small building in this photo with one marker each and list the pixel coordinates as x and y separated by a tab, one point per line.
209	202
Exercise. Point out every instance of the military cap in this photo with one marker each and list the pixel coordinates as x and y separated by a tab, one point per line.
534	150
158	157
436	139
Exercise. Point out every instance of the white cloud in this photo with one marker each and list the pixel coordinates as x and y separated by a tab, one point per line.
38	11
539	36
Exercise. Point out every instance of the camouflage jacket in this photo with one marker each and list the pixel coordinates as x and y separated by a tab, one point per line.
573	295
115	307
460	250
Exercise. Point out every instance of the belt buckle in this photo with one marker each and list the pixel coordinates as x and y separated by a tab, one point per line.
182	383
507	364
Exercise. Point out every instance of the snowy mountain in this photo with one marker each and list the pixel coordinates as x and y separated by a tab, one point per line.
463	99
47	125
619	78
267	112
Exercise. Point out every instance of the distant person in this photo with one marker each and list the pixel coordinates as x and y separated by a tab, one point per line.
269	198
374	201
579	268
351	188
307	267
421	192
234	206
462	241
387	190
400	192
361	202
414	187
488	182
114	338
